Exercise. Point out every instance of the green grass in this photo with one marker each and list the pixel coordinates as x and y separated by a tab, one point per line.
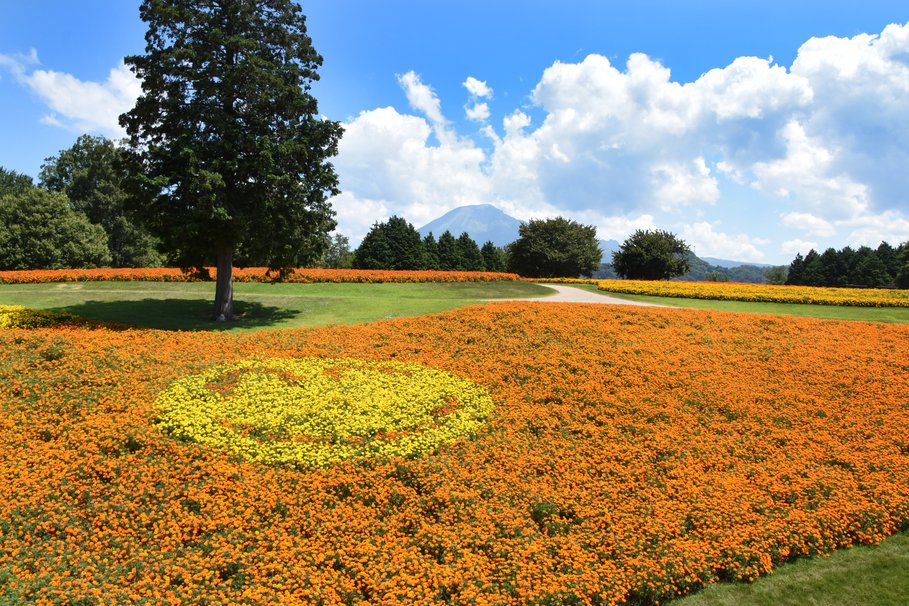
832	312
187	306
872	576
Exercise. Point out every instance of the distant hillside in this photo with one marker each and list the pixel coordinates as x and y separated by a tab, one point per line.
730	264
700	268
482	222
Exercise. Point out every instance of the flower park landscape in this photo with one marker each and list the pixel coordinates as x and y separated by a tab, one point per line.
499	453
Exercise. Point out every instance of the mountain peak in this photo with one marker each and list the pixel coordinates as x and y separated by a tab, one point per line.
481	221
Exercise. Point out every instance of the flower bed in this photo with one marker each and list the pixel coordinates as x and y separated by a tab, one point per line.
734	291
248	274
17	316
632	455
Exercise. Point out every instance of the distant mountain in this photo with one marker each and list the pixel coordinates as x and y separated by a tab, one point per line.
481	221
608	247
486	222
730	264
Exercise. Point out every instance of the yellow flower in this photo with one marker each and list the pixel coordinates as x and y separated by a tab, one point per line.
310	412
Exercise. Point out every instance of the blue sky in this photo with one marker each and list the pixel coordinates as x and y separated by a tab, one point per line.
752	129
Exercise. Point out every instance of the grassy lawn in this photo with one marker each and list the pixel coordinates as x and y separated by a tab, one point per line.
187	306
832	312
872	576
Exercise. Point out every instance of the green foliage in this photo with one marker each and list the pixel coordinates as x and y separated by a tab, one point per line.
651	255
12	182
775	275
494	257
864	267
430	252
554	248
39	230
902	275
450	257
226	144
395	244
338	255
91	175
470	253
715	276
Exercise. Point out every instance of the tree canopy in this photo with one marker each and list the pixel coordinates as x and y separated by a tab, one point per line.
393	244
552	248
226	142
651	255
12	182
862	267
39	230
396	244
91	175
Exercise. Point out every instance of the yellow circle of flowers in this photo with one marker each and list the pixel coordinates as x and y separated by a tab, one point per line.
310	412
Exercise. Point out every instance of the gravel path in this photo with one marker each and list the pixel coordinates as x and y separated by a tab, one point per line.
570	294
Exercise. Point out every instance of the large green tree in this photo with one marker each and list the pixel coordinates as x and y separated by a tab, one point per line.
39	230
494	258
91	175
226	139
470	253
12	182
552	248
393	244
902	274
651	255
450	257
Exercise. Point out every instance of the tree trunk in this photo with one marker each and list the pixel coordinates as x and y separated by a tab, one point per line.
224	289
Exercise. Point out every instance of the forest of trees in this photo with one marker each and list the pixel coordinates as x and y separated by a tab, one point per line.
396	244
883	267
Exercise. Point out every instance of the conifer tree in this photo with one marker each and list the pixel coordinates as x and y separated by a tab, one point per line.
226	141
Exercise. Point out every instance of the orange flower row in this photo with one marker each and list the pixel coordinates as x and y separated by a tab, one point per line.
249	274
632	454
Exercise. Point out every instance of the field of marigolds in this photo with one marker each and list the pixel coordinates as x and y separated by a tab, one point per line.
509	453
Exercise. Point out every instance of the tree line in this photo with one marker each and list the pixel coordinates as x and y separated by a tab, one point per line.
883	267
545	248
76	216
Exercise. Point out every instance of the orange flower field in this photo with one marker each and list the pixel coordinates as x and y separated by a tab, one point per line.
612	455
247	274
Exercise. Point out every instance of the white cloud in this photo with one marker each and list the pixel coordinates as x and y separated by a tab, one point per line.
478	112
356	215
75	104
794	247
871	229
422	98
806	174
386	163
477	88
680	185
706	241
808	223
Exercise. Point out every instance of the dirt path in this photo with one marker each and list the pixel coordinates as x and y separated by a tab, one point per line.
570	294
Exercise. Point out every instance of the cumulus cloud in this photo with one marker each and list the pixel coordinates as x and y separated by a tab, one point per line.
75	104
871	229
422	98
478	112
808	223
706	241
387	164
794	247
477	88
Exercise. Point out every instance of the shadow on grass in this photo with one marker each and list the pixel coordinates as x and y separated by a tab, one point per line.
179	314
